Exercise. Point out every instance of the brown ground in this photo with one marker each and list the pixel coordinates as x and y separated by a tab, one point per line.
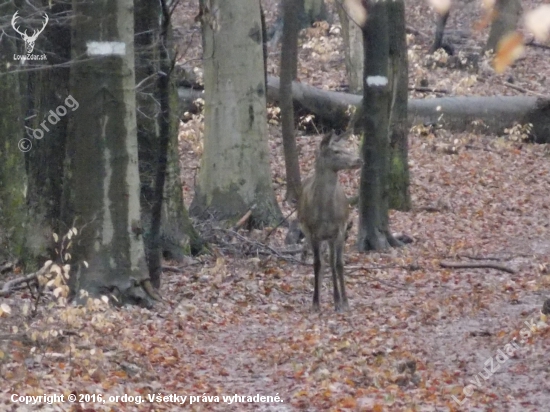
416	334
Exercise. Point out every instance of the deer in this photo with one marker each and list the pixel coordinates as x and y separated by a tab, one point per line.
29	40
323	211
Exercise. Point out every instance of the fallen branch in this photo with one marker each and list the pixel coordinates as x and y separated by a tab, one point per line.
8	286
472	257
523	90
428	90
243	220
474	265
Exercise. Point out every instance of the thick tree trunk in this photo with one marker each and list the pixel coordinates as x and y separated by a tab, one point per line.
289	62
507	16
102	177
374	231
49	107
353	48
399	195
234	176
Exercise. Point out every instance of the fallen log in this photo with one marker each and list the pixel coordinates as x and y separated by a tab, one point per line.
483	114
489	114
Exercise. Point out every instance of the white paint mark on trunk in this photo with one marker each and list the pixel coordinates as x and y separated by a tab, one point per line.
106	48
377	81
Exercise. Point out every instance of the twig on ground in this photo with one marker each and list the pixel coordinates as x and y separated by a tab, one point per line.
473	265
243	220
521	89
428	90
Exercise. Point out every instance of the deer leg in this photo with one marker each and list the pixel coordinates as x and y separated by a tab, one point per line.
333	258
339	266
318	273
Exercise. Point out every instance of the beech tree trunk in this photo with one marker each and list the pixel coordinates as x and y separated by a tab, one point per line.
399	195
234	176
374	231
289	62
353	48
102	179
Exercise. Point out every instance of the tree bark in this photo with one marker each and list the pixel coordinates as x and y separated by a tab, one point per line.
310	12
13	143
353	48
48	94
170	233
399	195
289	62
234	176
374	231
507	16
102	180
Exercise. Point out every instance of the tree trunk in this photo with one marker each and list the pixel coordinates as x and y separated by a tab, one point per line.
314	10
234	176
374	231
353	48
289	62
399	195
49	108
311	11
507	16
102	177
13	144
175	236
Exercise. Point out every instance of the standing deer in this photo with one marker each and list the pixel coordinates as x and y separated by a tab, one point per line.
323	211
29	40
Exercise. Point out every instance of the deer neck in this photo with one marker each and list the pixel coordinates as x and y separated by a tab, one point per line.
325	178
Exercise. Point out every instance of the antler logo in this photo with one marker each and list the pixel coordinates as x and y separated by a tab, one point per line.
29	40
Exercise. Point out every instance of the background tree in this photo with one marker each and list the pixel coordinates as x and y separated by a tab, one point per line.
13	180
167	227
353	47
310	11
289	67
234	176
44	91
399	194
102	179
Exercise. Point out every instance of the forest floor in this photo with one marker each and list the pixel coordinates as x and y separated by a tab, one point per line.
417	334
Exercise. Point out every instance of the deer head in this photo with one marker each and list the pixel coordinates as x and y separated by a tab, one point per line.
29	40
